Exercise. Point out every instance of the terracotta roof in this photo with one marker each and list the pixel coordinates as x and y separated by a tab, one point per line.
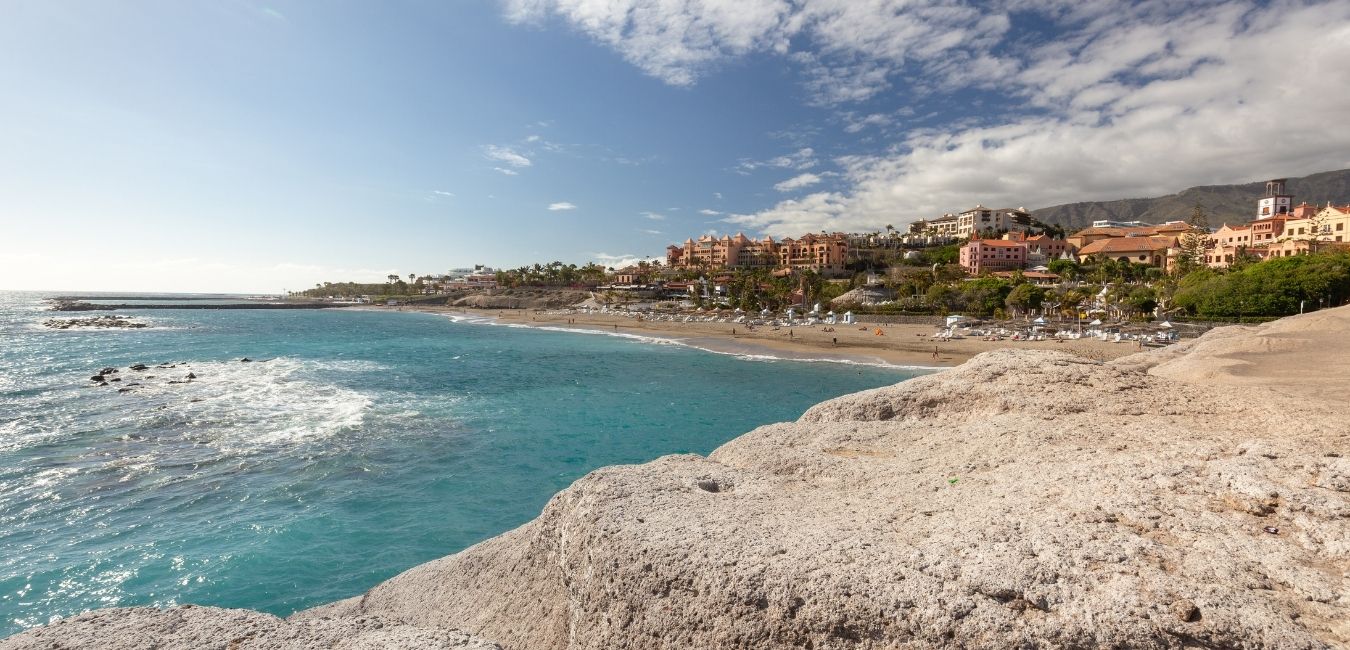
1127	244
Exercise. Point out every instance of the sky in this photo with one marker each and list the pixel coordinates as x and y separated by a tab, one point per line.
247	146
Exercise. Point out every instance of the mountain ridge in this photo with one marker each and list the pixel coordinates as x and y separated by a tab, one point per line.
1224	203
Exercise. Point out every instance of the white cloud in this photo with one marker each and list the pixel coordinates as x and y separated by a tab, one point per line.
654	216
709	213
506	155
1142	101
443	193
804	158
797	182
652	232
856	44
508	172
717	195
561	205
618	261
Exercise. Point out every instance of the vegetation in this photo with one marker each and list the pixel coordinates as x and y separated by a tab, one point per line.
1275	287
557	274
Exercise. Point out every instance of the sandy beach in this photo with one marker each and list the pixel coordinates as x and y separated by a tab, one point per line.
898	344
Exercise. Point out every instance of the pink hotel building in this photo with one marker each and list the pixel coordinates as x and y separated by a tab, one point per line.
989	255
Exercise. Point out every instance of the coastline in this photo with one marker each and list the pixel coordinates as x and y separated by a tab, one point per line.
1026	496
899	345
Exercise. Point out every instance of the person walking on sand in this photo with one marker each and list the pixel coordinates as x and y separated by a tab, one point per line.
935	351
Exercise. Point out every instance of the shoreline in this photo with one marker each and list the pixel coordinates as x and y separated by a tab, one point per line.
903	346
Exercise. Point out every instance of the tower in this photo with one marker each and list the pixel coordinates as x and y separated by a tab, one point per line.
1275	202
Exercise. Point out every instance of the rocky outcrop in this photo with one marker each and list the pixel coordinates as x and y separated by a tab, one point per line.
136	628
1195	496
97	322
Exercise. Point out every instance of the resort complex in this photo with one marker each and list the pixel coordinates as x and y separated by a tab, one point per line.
823	253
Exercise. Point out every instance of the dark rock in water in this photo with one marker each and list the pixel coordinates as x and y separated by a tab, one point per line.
245	360
97	378
149	376
175	381
124	390
140	366
115	379
192	375
108	371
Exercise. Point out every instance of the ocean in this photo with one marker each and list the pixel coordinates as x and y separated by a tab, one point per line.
353	445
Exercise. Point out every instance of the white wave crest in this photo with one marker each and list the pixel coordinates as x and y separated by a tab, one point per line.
237	405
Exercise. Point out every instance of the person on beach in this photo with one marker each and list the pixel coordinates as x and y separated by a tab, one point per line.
935	351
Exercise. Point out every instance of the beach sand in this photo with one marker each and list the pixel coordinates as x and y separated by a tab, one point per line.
898	344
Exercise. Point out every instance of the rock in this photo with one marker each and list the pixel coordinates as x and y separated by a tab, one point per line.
1085	490
245	360
189	627
191	375
1185	611
97	378
139	366
108	371
115	379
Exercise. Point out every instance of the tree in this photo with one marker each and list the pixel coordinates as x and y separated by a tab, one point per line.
1315	225
985	295
943	298
1194	242
1142	300
1066	269
1024	298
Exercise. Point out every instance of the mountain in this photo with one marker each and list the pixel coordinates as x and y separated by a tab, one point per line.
1225	203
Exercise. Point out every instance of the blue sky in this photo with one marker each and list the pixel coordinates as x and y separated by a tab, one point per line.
251	146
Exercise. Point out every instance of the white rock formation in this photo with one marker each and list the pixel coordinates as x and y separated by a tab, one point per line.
1024	499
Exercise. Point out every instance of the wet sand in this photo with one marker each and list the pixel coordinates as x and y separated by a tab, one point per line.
898	344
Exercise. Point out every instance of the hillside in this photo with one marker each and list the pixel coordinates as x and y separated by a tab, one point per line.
1225	203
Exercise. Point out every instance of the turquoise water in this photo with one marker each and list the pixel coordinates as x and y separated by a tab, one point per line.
356	445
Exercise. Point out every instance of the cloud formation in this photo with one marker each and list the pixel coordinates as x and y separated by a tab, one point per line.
1103	99
804	158
797	182
561	205
506	155
618	261
848	48
1141	100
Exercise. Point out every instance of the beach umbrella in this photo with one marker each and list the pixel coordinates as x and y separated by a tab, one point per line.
1165	325
1039	321
1095	321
